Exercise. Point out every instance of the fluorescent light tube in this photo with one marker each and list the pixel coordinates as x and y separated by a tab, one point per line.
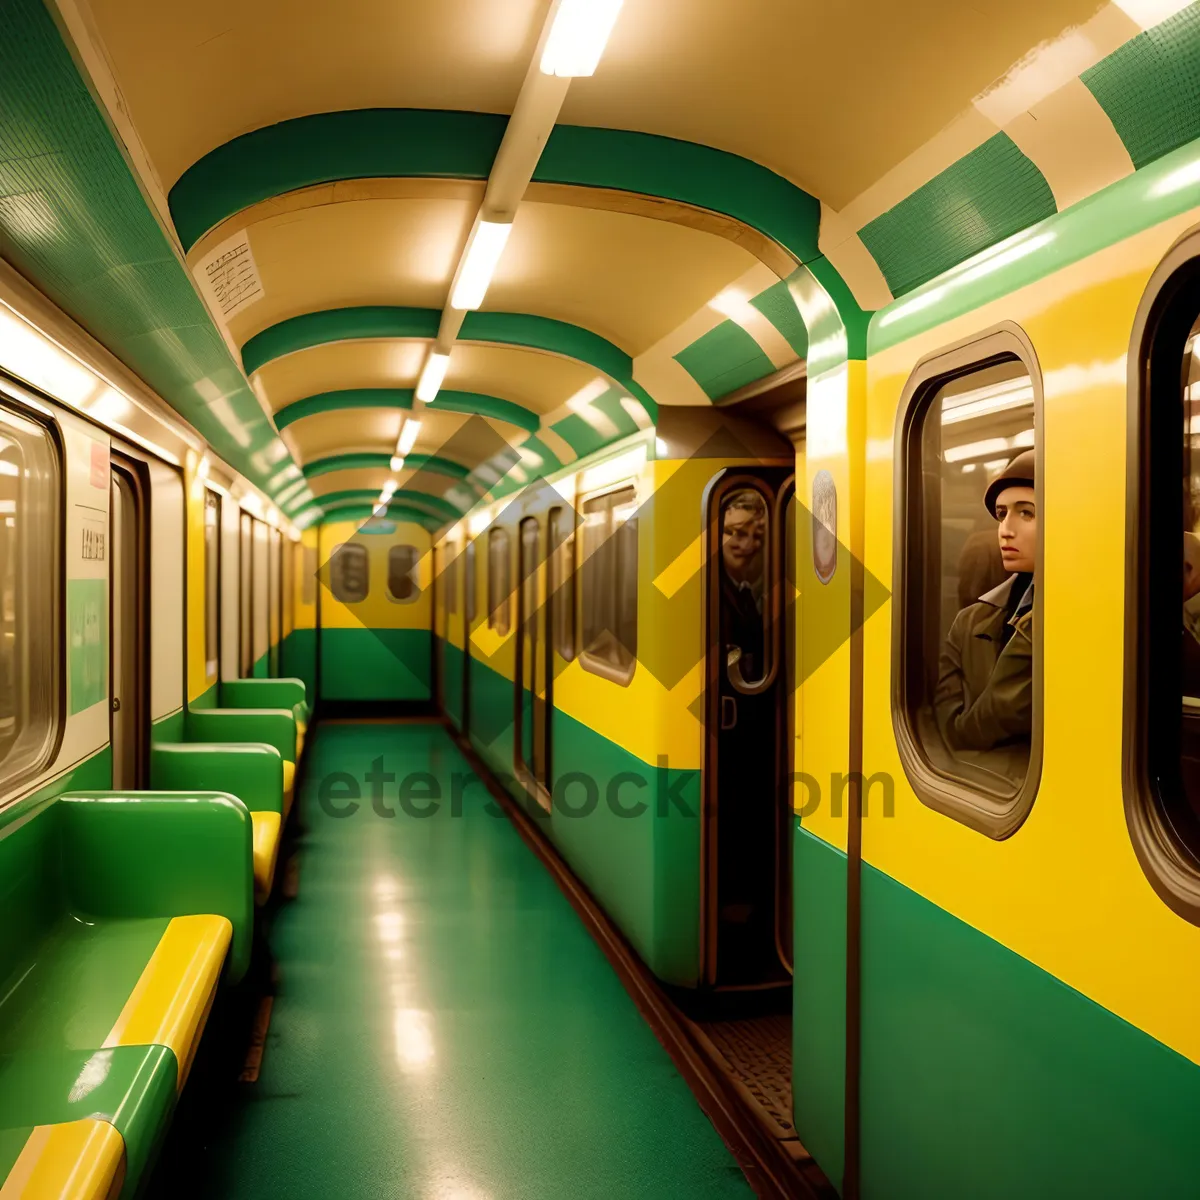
431	376
408	437
578	36
397	462
479	264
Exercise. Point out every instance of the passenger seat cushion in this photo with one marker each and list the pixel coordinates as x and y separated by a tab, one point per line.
266	852
78	1160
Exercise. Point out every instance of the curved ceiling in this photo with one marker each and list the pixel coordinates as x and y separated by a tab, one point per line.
666	204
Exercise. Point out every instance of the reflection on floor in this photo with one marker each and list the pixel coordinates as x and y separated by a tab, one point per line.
443	1025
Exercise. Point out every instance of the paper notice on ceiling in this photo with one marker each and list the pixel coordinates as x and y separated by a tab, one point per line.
228	276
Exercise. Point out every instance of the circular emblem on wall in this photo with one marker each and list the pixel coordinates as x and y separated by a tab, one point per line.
824	525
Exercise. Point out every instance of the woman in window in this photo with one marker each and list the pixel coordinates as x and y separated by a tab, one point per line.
984	696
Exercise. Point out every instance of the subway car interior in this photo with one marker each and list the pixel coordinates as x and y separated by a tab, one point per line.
588	597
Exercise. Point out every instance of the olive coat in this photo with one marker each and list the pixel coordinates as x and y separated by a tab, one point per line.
984	695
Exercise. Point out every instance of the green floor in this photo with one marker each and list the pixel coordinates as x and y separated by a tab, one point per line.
444	1026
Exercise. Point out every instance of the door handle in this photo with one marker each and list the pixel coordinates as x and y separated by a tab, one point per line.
729	713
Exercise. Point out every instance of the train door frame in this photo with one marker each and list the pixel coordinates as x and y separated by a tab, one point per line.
776	484
437	640
468	574
532	643
132	704
245	594
275	601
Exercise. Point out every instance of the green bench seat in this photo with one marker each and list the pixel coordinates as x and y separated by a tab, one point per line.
122	913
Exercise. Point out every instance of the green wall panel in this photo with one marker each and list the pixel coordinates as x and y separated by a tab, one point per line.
1150	87
375	664
988	195
644	868
985	1076
777	305
298	660
819	1000
724	359
73	221
452	681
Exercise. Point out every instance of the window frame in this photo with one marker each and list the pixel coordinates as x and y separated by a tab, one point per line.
561	578
416	559
503	595
212	585
622	676
14	399
1169	864
986	813
333	558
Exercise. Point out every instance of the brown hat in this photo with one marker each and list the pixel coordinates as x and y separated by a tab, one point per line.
1018	473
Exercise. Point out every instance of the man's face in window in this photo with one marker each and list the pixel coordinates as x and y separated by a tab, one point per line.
741	540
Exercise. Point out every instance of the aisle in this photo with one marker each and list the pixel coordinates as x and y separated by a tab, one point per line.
444	1026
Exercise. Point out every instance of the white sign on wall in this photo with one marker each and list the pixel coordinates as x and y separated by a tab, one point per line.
228	276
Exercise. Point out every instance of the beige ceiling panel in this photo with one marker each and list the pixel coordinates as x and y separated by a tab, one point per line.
364	252
338	365
196	75
828	95
374	479
540	382
342	432
628	278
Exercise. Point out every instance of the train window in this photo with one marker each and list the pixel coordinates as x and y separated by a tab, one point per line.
967	704
349	573
212	526
562	583
499	582
30	524
1162	801
402	574
609	585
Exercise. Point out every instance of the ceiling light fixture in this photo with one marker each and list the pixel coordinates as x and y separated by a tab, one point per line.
488	239
431	376
408	438
578	36
397	462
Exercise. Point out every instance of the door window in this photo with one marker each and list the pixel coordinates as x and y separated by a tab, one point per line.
30	613
609	585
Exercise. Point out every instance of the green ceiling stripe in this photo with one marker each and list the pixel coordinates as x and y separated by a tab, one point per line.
724	359
369	459
488	406
421	143
519	330
1149	196
433	505
986	196
450	400
545	333
397	512
73	221
337	325
323	402
778	306
1150	87
325	147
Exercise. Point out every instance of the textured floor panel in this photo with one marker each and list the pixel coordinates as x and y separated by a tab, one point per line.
758	1054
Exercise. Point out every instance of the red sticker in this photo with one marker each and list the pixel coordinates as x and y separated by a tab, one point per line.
99	465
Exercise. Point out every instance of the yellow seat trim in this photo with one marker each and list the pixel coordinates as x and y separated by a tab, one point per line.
289	780
170	1002
266	849
77	1160
301	730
